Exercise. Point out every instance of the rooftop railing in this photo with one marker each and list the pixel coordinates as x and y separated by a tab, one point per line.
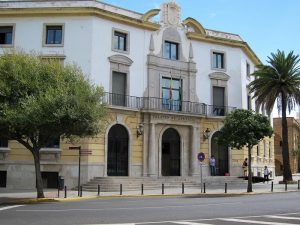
167	105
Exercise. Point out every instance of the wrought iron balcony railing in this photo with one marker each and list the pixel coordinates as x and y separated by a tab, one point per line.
160	104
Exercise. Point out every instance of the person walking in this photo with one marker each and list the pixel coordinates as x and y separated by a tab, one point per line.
212	164
245	166
266	174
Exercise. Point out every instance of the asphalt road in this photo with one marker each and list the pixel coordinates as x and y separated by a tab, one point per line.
279	208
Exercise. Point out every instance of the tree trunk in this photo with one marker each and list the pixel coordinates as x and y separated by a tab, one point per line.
38	175
287	174
249	188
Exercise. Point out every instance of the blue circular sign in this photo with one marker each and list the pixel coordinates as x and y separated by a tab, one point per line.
201	156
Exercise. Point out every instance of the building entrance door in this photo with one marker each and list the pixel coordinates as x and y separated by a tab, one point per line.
117	157
221	155
170	164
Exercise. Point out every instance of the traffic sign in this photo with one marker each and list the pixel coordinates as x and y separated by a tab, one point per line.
201	156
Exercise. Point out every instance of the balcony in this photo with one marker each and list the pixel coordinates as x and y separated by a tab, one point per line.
166	105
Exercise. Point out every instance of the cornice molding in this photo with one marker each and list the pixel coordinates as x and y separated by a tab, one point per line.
233	43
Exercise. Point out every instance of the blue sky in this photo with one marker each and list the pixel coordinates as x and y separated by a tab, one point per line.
266	25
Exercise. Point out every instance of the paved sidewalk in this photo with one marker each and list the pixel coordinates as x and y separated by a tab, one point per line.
10	196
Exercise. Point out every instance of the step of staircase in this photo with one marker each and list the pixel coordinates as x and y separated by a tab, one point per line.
112	184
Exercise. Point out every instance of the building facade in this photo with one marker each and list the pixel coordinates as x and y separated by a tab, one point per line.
169	83
293	140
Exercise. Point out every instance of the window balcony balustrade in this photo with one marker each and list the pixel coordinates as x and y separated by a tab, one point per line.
166	105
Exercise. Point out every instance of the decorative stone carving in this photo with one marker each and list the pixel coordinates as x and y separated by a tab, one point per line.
191	53
151	13
195	25
170	14
120	59
4	153
50	154
151	46
219	76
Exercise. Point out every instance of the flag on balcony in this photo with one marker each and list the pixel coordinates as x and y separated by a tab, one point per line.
170	95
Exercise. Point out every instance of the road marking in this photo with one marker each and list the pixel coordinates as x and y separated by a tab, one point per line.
256	222
191	223
10	207
284	217
124	208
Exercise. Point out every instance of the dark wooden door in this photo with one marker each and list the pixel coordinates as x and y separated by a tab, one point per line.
117	159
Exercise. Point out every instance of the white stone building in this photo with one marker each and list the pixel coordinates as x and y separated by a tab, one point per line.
167	82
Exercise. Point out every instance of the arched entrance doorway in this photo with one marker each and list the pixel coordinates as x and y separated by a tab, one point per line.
170	160
221	155
117	151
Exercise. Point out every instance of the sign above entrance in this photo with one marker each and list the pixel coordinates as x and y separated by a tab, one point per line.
201	156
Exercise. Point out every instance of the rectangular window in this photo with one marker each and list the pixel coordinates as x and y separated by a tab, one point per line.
257	151
3	143
248	69
171	50
171	94
249	107
219	101
54	144
6	35
218	60
118	89
120	41
54	35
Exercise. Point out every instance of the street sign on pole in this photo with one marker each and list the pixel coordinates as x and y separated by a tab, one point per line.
201	157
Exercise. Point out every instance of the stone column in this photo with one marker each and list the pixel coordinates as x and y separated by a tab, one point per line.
151	151
194	165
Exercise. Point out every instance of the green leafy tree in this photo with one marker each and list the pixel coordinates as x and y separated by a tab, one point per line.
279	80
244	128
41	101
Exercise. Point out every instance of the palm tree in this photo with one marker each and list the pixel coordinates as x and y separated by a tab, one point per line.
280	80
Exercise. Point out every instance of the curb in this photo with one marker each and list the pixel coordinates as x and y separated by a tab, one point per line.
198	195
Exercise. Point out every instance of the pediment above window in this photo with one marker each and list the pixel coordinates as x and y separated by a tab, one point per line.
120	59
219	76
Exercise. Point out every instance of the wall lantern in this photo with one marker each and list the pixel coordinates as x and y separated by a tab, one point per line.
206	133
140	129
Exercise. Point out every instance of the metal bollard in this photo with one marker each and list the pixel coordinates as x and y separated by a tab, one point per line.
162	189
182	187
285	186
272	186
80	191
98	190
142	189
65	191
204	188
298	184
225	188
121	191
58	192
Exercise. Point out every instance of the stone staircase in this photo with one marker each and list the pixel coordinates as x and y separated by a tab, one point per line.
112	184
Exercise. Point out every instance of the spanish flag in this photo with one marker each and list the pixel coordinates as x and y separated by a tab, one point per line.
170	96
